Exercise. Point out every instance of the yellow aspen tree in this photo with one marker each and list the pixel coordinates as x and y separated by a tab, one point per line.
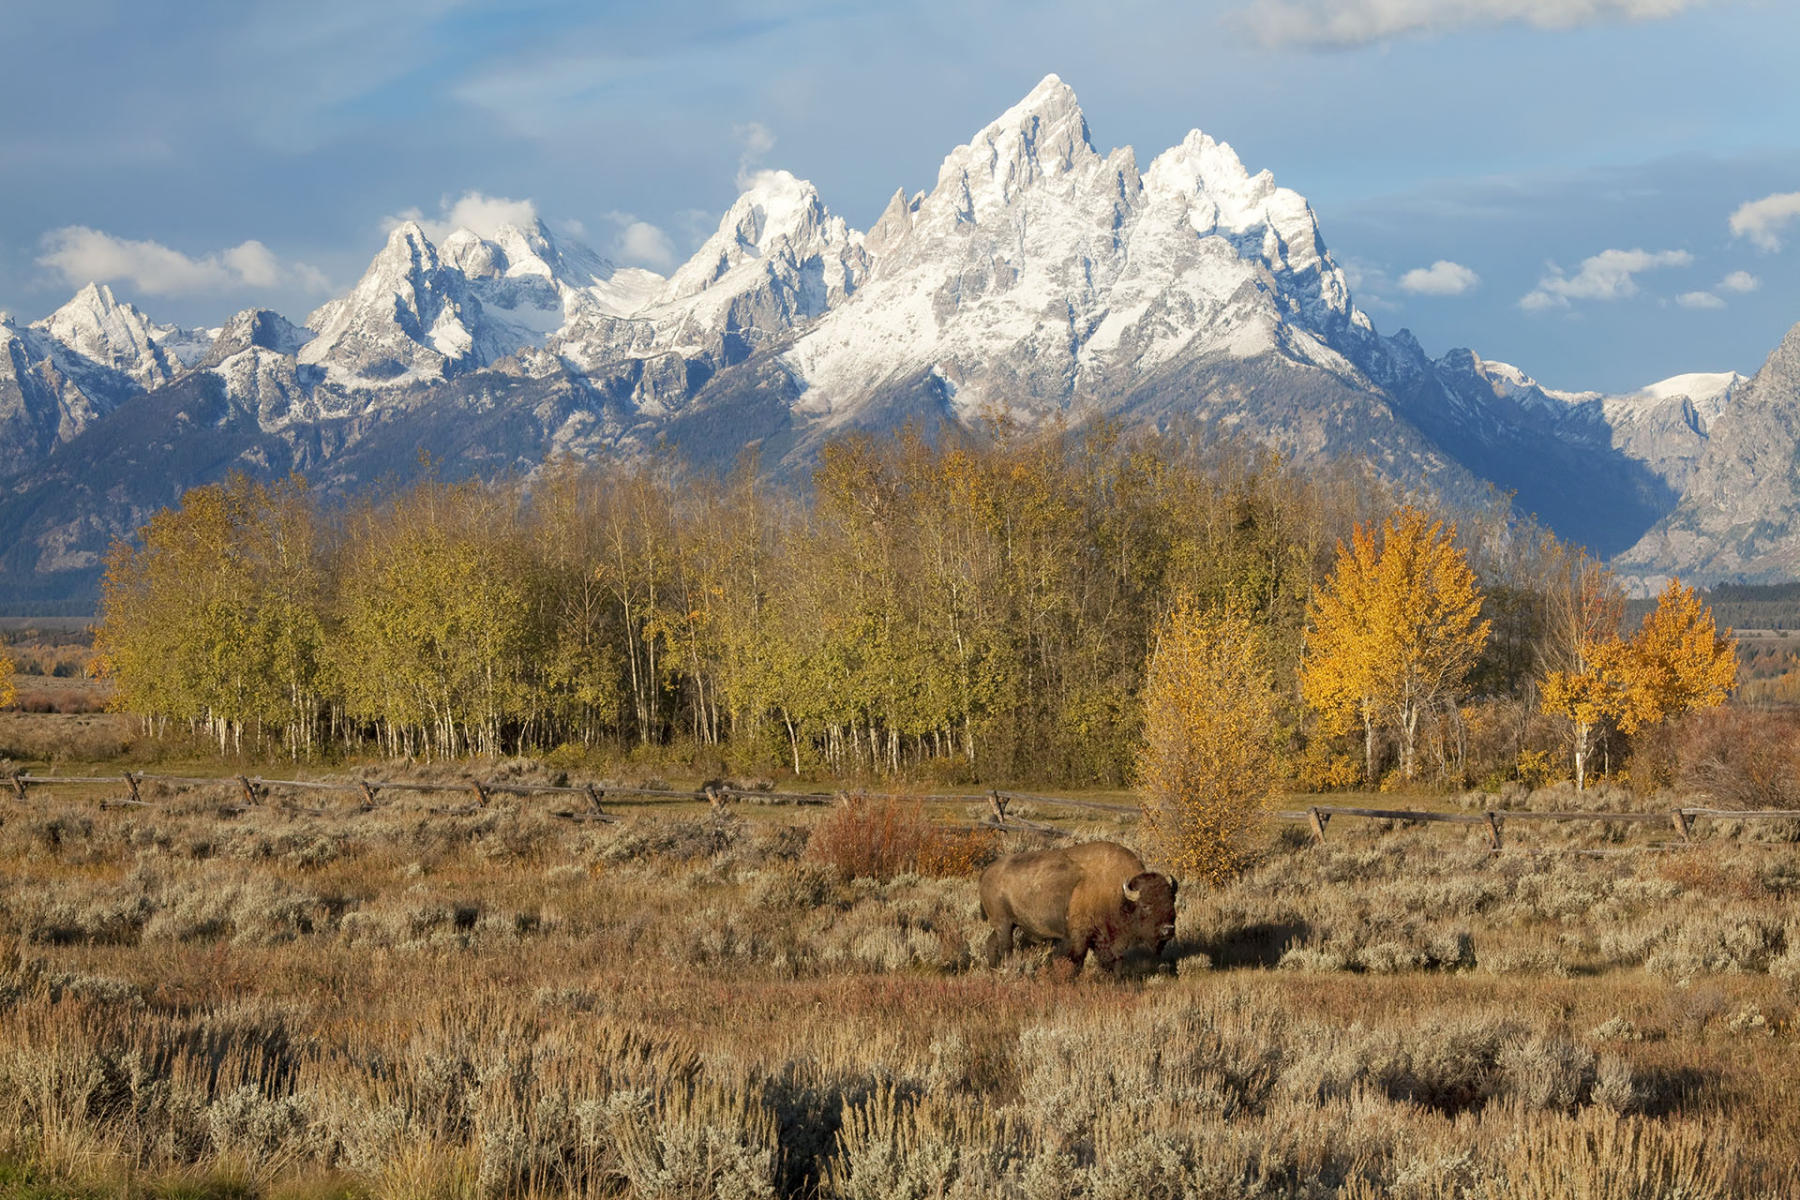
1207	768
1677	661
1395	630
1585	661
9	683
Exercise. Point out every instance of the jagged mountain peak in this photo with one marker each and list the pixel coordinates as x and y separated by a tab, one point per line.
1045	135
777	213
1199	163
258	328
111	334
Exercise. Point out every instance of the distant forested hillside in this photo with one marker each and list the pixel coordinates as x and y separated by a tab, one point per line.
1741	606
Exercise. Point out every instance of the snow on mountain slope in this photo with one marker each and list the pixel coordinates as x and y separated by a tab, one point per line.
1041	274
1739	514
779	258
1711	393
113	335
61	374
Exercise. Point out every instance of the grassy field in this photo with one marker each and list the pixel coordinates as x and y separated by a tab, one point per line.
197	1001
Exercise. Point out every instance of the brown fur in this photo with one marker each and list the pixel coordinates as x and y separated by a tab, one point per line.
1075	896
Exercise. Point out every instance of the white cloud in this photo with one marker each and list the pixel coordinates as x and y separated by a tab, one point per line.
1739	281
82	255
1358	22
639	243
480	214
1608	275
1441	278
645	245
1763	220
1699	300
757	141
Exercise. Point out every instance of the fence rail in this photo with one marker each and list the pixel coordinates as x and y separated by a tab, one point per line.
254	789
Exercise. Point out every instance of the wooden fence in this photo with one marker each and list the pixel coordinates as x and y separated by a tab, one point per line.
590	796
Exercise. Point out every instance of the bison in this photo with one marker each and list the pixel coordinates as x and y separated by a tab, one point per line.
1094	896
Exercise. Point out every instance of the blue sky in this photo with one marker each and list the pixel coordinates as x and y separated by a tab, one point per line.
1552	182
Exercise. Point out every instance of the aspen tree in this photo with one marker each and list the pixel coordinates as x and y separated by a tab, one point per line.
1587	664
1677	661
1394	631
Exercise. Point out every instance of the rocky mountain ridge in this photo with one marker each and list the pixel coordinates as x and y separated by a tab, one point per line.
1037	274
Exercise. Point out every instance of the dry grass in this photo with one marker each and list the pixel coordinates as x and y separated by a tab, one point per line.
493	1004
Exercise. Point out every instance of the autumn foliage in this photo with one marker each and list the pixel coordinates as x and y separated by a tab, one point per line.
1394	631
1676	662
1208	767
878	837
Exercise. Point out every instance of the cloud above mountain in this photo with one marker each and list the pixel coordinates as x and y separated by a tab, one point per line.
1608	275
1441	278
1763	221
642	244
81	255
1348	23
1740	282
480	214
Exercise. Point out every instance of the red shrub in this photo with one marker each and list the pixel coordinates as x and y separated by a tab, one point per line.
869	837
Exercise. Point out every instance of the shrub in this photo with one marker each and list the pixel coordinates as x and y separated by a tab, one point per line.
1208	764
1742	759
870	837
952	852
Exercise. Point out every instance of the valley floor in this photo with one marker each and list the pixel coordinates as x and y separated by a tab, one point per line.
202	1002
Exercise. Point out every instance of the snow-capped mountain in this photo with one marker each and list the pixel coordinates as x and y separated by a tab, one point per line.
61	374
1738	517
1037	275
1045	276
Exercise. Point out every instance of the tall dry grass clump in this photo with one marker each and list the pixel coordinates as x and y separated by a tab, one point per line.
1207	769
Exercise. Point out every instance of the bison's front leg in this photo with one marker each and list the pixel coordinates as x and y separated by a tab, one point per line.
1070	954
999	944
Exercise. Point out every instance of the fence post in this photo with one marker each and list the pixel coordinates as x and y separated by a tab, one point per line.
1680	819
593	795
132	783
1493	825
1319	821
368	792
249	789
18	786
481	793
998	803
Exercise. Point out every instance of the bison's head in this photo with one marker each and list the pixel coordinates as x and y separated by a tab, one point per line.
1149	907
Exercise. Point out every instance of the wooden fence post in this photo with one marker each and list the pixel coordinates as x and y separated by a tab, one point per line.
1681	823
132	783
998	803
593	795
1319	821
481	793
249	789
368	792
1493	825
18	786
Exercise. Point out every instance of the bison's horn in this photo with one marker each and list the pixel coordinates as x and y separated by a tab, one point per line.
1131	893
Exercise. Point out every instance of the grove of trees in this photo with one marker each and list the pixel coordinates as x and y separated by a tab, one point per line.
959	606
